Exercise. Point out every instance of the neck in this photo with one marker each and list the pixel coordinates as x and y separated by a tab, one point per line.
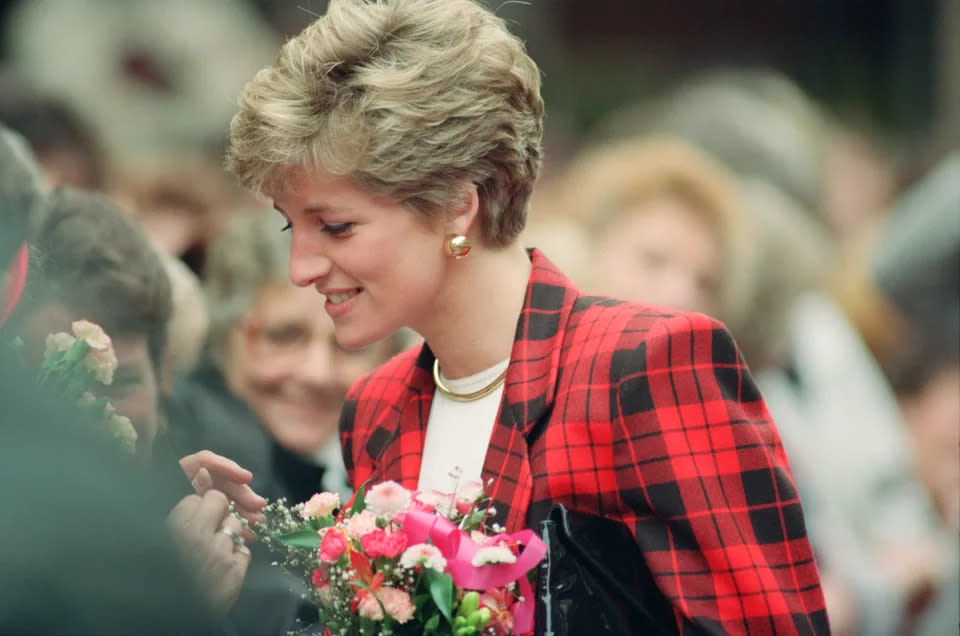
473	327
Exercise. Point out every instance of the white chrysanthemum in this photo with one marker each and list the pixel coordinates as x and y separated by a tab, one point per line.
59	342
388	499
493	554
424	554
320	505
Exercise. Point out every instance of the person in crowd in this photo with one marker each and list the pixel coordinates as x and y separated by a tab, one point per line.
268	391
145	90
400	141
83	527
64	145
92	262
808	336
667	226
181	201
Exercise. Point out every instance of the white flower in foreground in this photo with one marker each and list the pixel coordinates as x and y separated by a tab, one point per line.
493	554
320	505
121	428
424	554
360	524
59	342
388	499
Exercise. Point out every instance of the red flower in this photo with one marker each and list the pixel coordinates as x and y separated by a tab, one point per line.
379	543
318	578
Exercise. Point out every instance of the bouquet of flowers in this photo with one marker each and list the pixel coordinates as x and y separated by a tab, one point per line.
73	364
395	561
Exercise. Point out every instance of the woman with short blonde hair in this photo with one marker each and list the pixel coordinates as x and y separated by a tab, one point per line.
400	141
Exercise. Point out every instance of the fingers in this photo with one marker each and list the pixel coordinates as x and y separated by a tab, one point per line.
243	495
214	506
185	509
218	466
202	482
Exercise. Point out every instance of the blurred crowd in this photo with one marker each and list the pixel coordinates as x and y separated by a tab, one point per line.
731	192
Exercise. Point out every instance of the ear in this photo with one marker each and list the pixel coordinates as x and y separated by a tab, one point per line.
466	215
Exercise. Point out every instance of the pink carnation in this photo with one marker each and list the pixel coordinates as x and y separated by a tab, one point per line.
320	505
360	524
397	603
92	334
101	360
379	543
388	499
332	547
369	607
434	500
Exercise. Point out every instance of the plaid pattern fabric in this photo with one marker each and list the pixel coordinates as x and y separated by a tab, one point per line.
638	414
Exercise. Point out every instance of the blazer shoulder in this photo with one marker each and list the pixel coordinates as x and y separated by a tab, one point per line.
635	318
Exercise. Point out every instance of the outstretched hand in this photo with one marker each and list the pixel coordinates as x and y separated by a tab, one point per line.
207	470
207	535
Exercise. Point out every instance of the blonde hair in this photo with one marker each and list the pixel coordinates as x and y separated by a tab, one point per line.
607	181
408	98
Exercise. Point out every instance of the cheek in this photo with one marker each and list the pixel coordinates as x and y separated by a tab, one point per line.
141	407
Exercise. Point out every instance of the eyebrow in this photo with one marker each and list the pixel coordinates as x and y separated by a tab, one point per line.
311	210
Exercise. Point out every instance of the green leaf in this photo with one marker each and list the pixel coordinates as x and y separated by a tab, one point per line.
358	500
432	624
441	590
300	539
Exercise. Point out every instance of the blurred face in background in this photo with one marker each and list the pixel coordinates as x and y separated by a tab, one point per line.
133	391
660	251
284	361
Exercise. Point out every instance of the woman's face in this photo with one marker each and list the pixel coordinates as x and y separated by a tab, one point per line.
660	252
284	361
377	264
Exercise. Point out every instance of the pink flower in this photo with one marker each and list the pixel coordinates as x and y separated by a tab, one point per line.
387	499
93	334
320	505
332	547
470	492
379	543
101	360
434	500
397	603
360	524
318	578
369	607
423	554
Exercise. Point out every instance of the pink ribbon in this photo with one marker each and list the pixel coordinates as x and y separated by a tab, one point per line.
459	549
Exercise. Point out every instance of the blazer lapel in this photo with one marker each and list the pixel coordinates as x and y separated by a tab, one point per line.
399	432
529	391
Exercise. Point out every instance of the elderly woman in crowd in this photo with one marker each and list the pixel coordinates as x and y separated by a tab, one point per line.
268	391
400	141
666	224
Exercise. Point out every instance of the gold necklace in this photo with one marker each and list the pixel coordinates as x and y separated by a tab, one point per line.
466	397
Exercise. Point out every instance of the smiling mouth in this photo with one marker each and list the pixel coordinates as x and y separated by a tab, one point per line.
336	299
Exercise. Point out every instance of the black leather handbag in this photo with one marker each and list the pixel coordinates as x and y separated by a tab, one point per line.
594	580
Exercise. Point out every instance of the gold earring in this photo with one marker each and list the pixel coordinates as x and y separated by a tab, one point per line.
456	245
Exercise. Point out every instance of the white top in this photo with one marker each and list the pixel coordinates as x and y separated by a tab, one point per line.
458	433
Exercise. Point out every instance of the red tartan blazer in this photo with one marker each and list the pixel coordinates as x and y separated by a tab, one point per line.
639	414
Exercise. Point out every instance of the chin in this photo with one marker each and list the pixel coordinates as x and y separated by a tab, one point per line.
354	340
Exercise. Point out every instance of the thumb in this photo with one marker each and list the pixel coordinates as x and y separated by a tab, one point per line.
202	482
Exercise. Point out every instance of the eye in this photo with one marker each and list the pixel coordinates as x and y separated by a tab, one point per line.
337	229
287	227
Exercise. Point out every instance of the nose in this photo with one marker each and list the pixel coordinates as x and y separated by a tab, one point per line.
307	262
